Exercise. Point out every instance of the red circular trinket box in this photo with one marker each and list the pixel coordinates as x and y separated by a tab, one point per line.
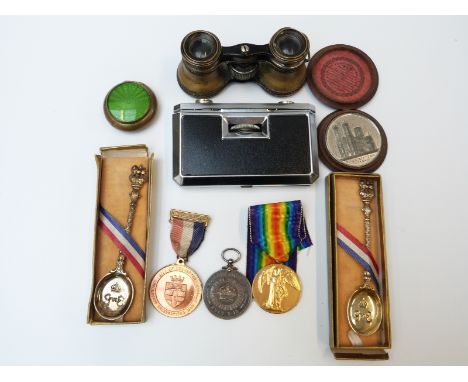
342	76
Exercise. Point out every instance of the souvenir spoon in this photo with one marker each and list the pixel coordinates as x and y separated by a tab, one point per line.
364	306
113	295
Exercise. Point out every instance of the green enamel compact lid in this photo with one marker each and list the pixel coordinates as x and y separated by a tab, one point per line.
129	105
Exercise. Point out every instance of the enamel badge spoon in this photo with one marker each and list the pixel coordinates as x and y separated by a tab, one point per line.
113	295
364	305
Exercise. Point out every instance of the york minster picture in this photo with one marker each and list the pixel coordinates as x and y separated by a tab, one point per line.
353	142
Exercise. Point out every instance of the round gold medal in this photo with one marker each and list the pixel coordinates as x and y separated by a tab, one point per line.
175	290
276	288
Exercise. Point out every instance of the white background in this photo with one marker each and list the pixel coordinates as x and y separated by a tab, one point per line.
54	74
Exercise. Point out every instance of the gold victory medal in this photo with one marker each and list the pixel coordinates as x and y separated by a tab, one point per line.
276	288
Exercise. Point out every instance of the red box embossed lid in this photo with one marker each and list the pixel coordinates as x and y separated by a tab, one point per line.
342	76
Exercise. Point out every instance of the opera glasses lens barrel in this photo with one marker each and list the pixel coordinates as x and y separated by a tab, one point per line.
289	47
200	72
201	48
291	44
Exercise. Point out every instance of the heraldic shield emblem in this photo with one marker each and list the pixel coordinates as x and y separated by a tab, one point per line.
175	291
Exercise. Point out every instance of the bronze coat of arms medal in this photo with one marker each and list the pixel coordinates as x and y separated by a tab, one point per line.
227	293
113	294
176	289
364	309
277	231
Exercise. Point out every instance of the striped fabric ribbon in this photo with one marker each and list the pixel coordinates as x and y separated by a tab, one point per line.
122	239
277	231
359	252
186	236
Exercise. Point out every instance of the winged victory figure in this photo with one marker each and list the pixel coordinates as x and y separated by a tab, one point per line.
277	280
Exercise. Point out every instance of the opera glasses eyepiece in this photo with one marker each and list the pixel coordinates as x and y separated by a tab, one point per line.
200	48
289	46
207	67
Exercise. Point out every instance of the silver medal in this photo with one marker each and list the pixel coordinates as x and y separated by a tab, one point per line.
227	293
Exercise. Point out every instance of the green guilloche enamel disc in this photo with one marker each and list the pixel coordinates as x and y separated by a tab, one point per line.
129	105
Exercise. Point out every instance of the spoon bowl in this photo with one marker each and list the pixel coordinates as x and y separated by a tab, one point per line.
113	295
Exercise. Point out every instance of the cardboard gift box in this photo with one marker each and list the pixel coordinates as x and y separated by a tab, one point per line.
114	166
345	221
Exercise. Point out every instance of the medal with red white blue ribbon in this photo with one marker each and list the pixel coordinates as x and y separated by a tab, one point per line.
175	290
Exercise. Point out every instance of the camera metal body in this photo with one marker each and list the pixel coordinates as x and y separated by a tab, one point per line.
278	67
244	144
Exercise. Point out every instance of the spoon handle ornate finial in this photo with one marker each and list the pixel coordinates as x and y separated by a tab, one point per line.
366	192
138	177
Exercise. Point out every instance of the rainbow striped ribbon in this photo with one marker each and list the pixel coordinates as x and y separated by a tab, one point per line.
276	232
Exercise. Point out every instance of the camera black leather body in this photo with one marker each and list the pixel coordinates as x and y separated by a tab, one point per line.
244	144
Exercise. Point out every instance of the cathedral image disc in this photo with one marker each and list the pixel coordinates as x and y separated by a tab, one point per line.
351	140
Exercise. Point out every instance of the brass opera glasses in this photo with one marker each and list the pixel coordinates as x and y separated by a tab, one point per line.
278	67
